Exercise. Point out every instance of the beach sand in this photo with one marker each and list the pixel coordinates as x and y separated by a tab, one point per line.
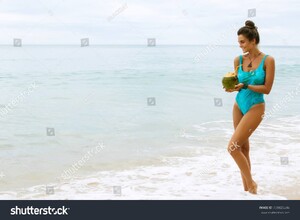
290	192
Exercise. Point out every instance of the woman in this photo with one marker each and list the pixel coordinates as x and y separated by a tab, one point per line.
255	75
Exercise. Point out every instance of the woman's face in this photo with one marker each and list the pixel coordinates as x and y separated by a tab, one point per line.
245	44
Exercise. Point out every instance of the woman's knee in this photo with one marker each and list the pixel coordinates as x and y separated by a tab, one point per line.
233	146
245	148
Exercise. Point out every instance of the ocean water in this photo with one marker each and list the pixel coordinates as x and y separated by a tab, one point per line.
137	122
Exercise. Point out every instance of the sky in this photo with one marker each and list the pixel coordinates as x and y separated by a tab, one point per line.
170	22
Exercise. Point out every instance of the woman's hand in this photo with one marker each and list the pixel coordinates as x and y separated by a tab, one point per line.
237	87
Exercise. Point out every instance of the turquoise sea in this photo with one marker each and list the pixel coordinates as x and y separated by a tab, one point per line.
122	122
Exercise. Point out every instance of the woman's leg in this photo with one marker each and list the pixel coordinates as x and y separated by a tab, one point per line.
237	116
244	129
245	150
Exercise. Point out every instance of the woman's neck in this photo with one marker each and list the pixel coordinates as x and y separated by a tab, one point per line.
254	52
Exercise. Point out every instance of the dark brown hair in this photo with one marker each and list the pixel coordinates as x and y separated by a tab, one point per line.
249	31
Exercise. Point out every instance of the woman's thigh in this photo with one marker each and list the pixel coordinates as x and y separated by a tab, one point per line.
248	123
236	115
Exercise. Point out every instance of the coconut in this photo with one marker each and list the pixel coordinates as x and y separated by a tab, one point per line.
230	80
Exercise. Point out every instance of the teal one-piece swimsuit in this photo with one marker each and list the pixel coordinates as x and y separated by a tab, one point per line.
246	98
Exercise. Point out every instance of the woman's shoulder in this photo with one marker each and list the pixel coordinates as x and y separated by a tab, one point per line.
236	60
269	61
269	58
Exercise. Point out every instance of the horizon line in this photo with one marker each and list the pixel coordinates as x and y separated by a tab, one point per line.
270	45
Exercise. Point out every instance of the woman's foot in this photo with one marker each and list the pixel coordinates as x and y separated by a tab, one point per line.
253	188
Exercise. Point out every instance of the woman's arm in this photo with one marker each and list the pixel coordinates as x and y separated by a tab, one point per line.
270	73
235	64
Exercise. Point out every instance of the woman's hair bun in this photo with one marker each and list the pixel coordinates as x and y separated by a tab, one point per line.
250	24
249	31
